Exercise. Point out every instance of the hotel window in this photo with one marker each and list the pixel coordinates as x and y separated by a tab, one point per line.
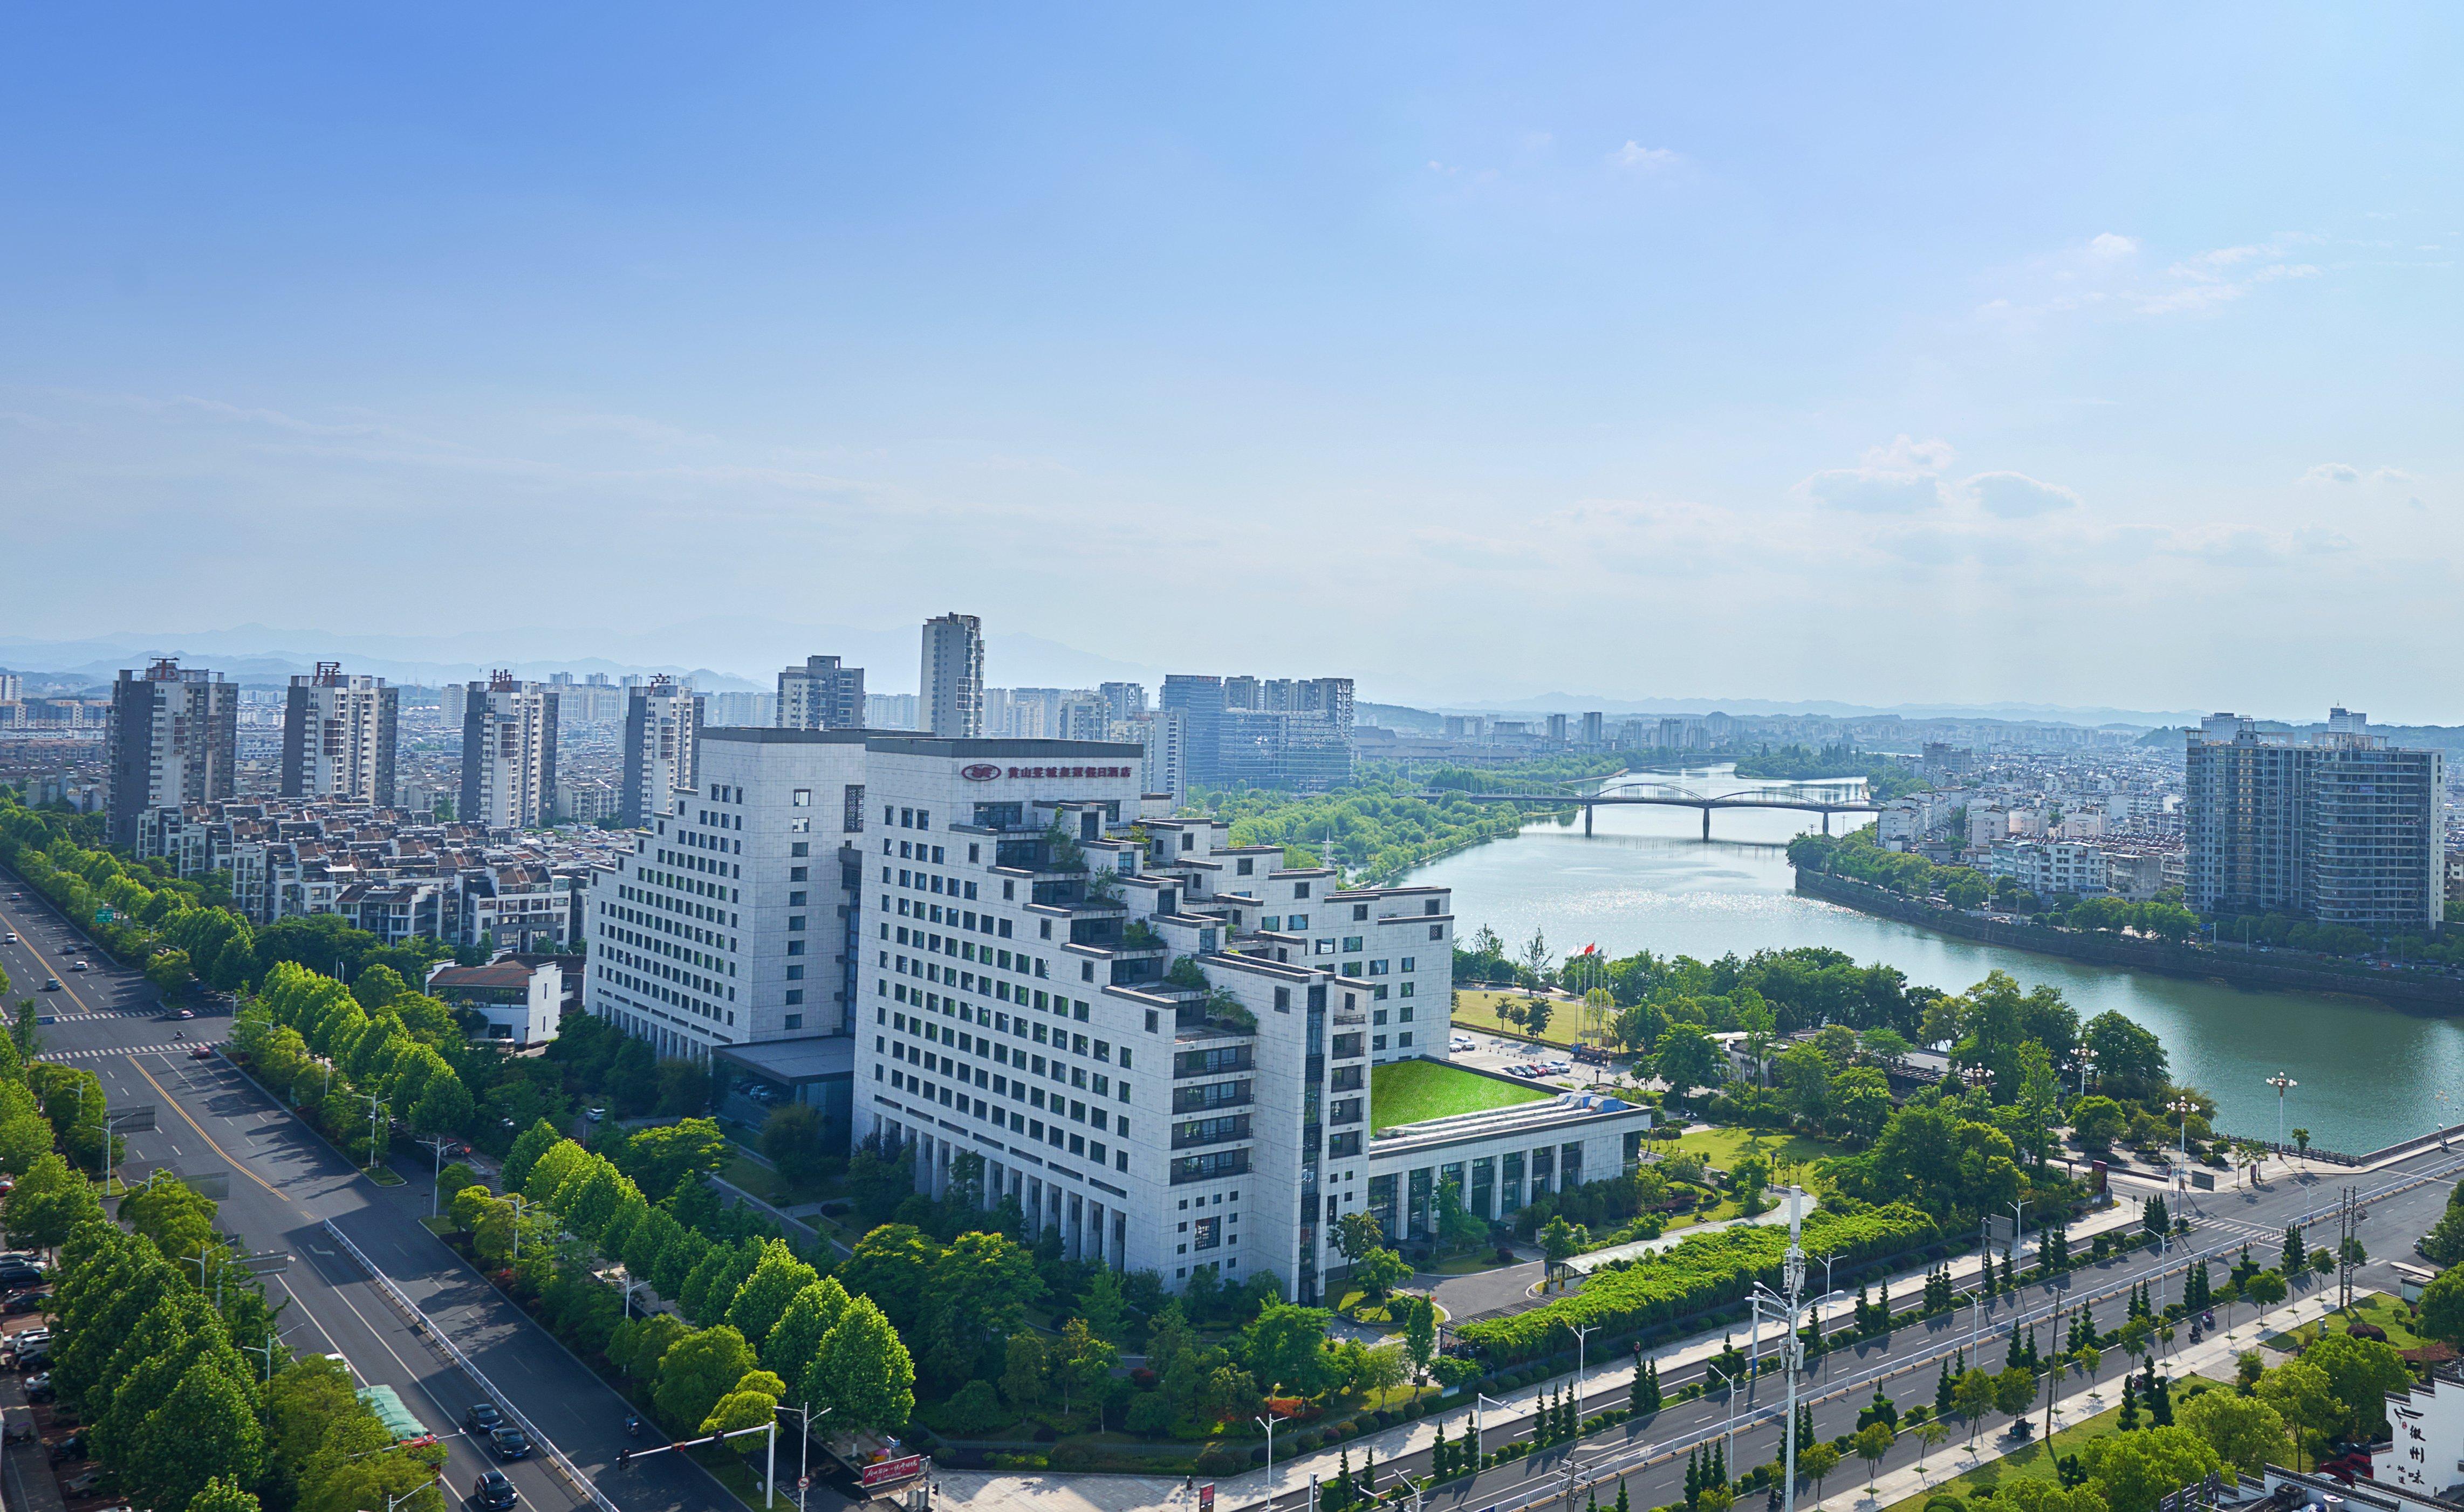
802	797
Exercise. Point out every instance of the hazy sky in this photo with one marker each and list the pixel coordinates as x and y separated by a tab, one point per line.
2077	354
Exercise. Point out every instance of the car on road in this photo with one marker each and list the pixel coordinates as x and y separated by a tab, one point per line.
509	1442
79	966
482	1418
597	1113
38	1388
203	1052
185	1013
50	984
494	1492
12	937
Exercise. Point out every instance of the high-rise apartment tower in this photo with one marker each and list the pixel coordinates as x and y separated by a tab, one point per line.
173	740
338	736
952	698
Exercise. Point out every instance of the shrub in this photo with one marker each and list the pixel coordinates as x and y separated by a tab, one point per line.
975	1411
1072	1456
1386	1418
1220	1459
1706	1271
1416	1407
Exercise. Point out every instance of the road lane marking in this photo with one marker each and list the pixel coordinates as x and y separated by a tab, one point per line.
201	1131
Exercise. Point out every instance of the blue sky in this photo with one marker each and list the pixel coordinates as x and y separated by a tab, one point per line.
2089	355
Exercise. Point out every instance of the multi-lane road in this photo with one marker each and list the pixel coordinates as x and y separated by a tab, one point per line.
285	1184
2400	1202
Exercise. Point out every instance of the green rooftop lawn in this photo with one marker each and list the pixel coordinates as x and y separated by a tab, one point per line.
1412	1092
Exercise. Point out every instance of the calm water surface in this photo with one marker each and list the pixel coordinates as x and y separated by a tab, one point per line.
1645	880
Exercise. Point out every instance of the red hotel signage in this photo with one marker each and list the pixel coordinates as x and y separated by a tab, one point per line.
984	772
885	1470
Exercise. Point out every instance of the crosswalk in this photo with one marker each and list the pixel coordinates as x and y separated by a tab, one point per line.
110	1051
108	1012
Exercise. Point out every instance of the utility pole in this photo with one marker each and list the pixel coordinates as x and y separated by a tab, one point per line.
1793	1346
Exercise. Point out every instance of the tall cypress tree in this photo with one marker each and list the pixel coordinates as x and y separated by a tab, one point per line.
1693	1479
2290	1263
2129	1402
1622	1504
1442	1454
1719	1464
2015	1358
1941	1402
2160	1403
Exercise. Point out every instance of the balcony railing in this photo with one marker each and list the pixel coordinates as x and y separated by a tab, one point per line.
1208	1168
1207	1099
1196	1133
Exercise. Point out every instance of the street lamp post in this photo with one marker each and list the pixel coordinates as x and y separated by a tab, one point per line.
2018	1230
437	1143
2086	1060
1479	1401
2282	1083
521	1209
1582	1333
1266	1421
2183	1107
1729	1384
630	1287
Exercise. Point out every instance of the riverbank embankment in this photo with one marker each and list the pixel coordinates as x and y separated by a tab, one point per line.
2413	989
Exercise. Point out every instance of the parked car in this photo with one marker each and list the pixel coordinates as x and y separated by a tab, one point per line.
185	1013
482	1418
19	1278
38	1388
509	1442
23	1303
597	1113
494	1492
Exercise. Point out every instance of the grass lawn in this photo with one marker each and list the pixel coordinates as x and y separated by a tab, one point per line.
2387	1312
758	1180
1410	1091
2030	1462
1725	1147
1477	1010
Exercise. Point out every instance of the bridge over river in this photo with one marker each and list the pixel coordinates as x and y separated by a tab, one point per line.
1811	797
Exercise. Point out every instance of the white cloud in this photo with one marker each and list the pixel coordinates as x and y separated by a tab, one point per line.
2105	272
2107	245
1637	157
1897	478
2346	472
2016	496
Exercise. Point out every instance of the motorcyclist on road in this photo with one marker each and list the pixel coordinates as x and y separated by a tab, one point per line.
633	1426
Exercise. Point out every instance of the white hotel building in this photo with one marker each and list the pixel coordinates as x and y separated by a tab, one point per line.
1158	1042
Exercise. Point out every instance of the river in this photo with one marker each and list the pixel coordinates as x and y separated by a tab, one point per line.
1645	880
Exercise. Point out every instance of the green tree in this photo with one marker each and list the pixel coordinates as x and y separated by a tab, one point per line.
1815	1462
1561	1242
864	1372
205	1429
1087	1361
2302	1397
777	1278
1420	1331
2361	1372
169	971
1028	1372
2442	1307
893	1267
1860	1102
1285	1345
1872	1442
1685	1057
528	1145
697	1372
791	1137
2099	1121
2244	1431
1357	1234
752	1403
1106	1306
223	1493
982	1285
791	1345
2135	1471
1972	1391
1380	1272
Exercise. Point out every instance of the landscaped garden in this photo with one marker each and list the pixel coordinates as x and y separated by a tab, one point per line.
1415	1091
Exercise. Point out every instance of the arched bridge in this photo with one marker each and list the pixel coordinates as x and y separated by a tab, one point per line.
1803	796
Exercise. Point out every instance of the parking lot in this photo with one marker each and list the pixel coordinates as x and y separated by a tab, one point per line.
1550	1065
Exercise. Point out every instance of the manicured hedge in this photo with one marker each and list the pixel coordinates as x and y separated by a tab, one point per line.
1698	1274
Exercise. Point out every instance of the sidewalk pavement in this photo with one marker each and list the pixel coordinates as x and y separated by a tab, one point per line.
32	1485
1603	1385
2211	1358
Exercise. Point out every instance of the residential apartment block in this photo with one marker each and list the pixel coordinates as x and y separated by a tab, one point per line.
662	735
508	753
952	702
2340	828
172	740
821	696
339	736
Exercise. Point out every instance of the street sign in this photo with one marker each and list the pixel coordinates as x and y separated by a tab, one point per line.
1207	1498
104	915
804	1482
881	1472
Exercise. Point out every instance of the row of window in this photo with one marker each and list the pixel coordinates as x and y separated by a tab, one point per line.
1015	1121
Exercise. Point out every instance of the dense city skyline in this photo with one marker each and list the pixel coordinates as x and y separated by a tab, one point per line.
1677	342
